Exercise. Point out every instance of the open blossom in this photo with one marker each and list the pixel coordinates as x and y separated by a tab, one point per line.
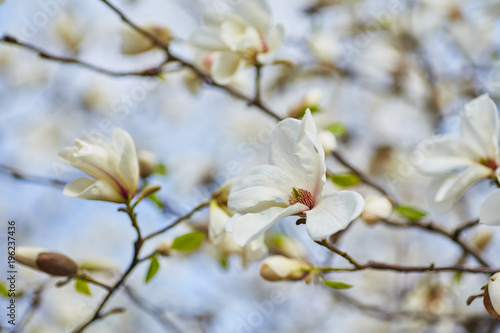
113	164
457	163
240	38
291	184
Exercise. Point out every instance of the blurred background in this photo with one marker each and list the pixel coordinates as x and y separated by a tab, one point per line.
388	74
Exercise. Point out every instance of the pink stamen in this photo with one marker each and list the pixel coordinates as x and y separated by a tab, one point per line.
301	196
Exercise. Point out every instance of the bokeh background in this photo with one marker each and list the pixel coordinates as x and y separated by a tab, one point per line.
392	72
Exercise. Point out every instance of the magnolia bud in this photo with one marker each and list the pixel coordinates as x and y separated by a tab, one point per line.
279	268
310	101
287	246
147	191
69	32
482	239
136	43
328	141
376	209
147	163
491	298
164	248
48	262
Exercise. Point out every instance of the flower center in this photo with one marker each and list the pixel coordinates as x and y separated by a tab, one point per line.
302	196
489	162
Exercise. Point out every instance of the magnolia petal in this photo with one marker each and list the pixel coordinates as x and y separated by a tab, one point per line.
129	164
312	155
248	227
490	209
480	125
256	13
274	42
218	218
207	40
96	160
261	184
443	154
226	66
250	41
89	189
282	143
232	31
255	250
445	191
333	213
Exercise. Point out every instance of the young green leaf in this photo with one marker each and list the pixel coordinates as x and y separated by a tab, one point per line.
154	266
345	179
338	129
188	242
82	287
411	213
4	292
161	169
336	285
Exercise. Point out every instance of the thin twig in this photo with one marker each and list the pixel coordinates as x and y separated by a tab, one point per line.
177	221
332	248
412	269
31	178
432	227
152	310
154	71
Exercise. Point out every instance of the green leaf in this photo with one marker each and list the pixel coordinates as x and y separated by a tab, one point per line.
457	277
345	179
224	261
188	242
82	287
338	128
337	285
4	292
411	213
154	266
154	198
161	169
313	109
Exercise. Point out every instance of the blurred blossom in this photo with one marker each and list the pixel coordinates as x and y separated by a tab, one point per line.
457	163
328	141
135	43
377	208
113	164
279	268
147	163
291	185
70	31
240	38
325	47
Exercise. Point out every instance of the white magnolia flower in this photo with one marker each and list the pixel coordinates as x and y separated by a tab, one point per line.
291	184
457	163
240	38
113	164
